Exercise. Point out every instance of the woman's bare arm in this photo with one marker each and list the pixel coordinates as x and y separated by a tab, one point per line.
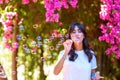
59	65
67	46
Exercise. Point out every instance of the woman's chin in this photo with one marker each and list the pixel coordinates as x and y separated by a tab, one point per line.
76	41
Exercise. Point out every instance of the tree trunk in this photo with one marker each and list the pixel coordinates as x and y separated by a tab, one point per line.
14	54
42	75
14	66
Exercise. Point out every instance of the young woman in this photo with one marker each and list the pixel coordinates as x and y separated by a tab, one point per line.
77	60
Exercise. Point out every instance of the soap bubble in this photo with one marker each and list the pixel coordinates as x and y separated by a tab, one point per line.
19	37
67	35
39	44
24	38
49	56
27	50
39	38
33	43
21	27
51	47
52	37
42	58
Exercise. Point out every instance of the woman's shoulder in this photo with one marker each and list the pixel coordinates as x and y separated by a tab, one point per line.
62	52
92	51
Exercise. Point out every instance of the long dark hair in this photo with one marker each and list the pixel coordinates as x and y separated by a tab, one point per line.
86	47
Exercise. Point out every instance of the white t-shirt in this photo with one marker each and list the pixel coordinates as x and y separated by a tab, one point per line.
80	69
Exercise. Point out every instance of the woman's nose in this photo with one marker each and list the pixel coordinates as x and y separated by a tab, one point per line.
77	33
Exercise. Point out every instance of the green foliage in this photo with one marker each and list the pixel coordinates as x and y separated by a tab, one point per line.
34	24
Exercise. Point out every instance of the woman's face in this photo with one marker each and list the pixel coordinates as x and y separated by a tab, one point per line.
77	35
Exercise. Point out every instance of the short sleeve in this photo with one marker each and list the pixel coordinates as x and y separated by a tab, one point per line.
93	62
61	53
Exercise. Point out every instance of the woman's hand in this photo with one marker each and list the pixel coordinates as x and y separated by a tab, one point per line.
67	45
97	76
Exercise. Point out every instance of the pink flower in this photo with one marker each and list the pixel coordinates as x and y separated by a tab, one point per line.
6	1
111	30
101	38
10	15
57	5
25	1
55	33
118	54
60	23
13	49
56	17
114	48
64	3
111	49
59	35
73	3
8	35
104	28
34	1
8	28
108	51
7	45
8	23
104	13
15	45
107	1
1	1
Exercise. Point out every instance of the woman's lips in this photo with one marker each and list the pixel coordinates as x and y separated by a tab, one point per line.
76	38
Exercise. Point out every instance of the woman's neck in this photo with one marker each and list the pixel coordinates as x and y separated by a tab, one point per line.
78	46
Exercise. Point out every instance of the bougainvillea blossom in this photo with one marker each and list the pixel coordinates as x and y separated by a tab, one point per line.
54	6
8	25
25	1
110	12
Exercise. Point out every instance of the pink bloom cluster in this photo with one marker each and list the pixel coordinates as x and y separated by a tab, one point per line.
7	23
3	1
110	12
56	33
28	1
54	6
23	1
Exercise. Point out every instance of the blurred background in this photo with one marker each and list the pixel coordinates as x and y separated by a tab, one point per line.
32	32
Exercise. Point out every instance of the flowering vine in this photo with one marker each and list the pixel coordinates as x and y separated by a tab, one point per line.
110	12
54	6
8	24
52	15
4	1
